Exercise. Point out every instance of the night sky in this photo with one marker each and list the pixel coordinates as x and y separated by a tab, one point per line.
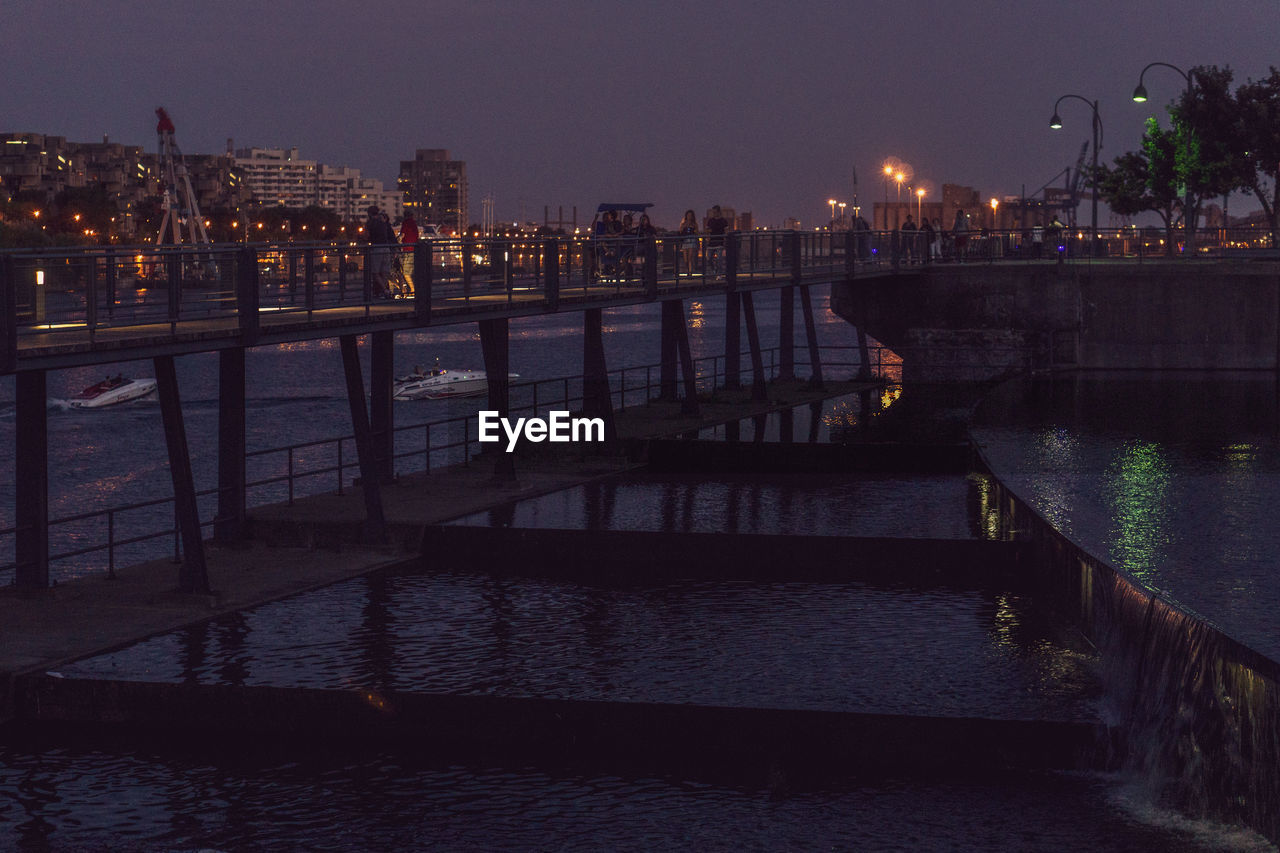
764	107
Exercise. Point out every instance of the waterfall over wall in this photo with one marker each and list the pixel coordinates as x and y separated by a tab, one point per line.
1197	713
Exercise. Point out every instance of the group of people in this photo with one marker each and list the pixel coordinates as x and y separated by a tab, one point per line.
619	259
387	266
924	242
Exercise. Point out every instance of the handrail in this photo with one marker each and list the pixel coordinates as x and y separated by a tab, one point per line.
53	297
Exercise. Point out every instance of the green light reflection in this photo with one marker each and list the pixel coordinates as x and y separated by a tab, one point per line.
1137	485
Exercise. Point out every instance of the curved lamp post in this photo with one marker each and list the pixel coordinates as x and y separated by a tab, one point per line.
1140	96
1056	124
888	175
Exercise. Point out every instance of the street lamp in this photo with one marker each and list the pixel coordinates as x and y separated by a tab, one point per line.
832	202
1056	124
842	206
995	204
1140	97
888	174
919	204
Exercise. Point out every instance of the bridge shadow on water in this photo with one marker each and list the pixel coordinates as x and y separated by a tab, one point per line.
770	638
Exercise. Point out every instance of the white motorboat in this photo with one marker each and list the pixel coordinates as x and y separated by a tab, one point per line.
112	390
439	383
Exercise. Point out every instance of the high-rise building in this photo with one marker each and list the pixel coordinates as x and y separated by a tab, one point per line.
434	189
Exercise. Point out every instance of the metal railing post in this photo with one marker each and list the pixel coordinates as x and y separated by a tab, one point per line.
422	275
91	297
247	298
650	250
309	278
112	274
8	314
174	269
468	261
551	267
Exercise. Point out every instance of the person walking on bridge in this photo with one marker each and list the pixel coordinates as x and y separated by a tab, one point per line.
908	230
688	232
409	239
380	236
960	234
716	226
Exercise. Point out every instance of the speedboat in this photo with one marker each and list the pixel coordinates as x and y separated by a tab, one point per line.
112	390
439	383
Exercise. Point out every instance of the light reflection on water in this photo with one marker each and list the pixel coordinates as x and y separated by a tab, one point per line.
1172	478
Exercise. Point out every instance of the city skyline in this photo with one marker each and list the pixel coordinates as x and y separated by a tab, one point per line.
765	109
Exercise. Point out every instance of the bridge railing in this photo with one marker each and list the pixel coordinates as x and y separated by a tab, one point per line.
130	533
48	295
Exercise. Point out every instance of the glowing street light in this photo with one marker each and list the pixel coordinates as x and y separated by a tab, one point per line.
832	202
1056	124
888	169
919	203
1140	96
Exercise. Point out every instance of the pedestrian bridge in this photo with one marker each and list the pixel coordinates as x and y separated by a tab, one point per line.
70	308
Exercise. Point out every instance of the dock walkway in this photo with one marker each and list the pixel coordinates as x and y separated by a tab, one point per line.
315	541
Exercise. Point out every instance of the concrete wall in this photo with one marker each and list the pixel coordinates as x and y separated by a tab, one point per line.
976	322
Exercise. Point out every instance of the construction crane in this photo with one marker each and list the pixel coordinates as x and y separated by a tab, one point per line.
178	201
1073	188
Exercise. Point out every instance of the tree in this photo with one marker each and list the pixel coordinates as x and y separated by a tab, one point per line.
1258	108
1145	180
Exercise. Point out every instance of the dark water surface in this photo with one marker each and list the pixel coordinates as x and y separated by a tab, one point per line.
1173	484
254	797
839	647
909	505
1174	479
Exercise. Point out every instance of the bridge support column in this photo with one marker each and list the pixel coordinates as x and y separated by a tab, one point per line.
375	523
668	349
31	481
732	340
381	407
811	335
689	404
495	346
597	402
732	317
193	573
758	391
787	334
230	526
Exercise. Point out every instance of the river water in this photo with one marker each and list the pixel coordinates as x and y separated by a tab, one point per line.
1174	479
953	650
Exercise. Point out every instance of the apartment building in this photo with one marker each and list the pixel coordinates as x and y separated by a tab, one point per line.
434	188
281	177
